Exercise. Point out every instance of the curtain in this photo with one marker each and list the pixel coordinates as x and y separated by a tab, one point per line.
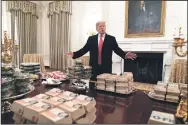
24	12
59	14
179	71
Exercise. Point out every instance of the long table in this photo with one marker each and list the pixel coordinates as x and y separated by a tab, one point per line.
114	108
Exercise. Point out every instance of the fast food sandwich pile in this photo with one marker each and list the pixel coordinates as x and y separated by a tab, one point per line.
159	91
101	84
55	107
124	83
115	83
31	68
56	75
166	91
173	92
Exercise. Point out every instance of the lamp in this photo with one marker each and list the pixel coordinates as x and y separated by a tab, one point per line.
179	42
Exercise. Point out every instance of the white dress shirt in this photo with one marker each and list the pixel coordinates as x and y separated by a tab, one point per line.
103	37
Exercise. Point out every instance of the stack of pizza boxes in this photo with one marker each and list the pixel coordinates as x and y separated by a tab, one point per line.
101	83
56	107
124	83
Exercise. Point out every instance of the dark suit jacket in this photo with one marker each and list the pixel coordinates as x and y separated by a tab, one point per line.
109	45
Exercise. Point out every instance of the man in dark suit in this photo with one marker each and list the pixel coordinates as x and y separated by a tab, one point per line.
100	47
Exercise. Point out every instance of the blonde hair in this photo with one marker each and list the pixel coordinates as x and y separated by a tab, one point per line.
100	23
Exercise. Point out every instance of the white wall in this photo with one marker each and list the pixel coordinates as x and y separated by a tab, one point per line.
43	31
176	15
85	14
113	12
6	21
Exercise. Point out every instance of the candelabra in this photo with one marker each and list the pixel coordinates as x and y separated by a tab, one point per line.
8	49
178	44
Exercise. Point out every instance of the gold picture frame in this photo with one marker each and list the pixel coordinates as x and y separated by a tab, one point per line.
157	32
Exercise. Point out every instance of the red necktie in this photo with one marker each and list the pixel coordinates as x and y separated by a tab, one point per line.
100	50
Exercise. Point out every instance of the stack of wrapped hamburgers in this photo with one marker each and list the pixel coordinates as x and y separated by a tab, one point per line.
122	84
101	83
55	107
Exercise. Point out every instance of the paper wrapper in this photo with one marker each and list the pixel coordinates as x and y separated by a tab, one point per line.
101	87
41	97
160	83
122	84
103	76
172	98
55	116
111	79
18	119
160	90
86	101
183	87
173	91
128	73
67	95
54	92
55	101
32	112
122	91
158	96
161	118
176	85
18	105
110	88
76	110
88	119
122	79
101	83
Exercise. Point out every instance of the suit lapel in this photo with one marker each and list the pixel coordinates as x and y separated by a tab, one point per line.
96	43
105	39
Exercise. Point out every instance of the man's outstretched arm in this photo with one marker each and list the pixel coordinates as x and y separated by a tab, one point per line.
121	53
80	52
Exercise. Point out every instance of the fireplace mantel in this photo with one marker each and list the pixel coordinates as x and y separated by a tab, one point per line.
145	46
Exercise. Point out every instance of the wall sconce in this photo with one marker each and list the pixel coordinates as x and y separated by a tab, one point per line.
178	44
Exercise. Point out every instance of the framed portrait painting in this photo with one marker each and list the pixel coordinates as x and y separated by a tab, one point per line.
144	18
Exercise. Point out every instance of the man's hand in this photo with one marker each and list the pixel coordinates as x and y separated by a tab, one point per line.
69	54
130	55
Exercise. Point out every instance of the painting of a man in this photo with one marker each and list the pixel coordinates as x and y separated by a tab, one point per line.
145	17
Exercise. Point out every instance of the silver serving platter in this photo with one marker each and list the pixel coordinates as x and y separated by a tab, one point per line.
31	87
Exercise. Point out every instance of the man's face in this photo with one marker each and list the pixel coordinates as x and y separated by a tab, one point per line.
101	28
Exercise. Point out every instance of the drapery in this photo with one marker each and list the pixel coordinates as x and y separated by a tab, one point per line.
59	14
24	12
179	71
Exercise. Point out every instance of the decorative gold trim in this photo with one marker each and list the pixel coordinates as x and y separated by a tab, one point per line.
162	27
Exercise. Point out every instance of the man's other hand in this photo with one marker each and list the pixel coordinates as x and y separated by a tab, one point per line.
69	54
130	55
